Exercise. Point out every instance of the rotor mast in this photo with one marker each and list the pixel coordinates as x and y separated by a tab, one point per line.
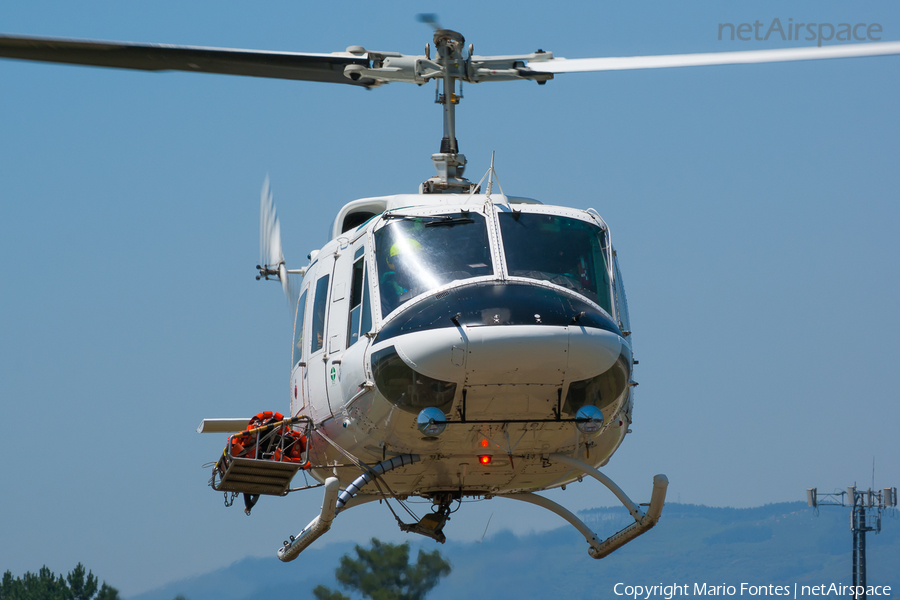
449	163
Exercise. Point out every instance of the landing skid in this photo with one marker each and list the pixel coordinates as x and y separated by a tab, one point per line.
432	525
643	522
317	527
332	503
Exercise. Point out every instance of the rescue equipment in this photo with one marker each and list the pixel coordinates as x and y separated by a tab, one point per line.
263	459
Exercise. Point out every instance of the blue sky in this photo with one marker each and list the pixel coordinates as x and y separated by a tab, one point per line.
754	209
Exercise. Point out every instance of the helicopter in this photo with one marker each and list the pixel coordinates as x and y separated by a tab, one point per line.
556	327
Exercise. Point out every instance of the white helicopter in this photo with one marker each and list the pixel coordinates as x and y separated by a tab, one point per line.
453	343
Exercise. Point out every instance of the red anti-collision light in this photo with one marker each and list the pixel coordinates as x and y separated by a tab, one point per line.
485	459
484	443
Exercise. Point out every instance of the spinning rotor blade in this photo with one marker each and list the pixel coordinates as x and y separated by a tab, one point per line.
430	19
271	257
623	63
270	254
367	68
327	68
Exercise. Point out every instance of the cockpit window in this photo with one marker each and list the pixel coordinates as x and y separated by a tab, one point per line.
565	251
415	254
621	302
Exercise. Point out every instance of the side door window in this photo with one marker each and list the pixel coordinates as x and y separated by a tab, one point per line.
320	306
360	321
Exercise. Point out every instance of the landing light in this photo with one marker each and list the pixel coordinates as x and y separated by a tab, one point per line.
431	422
589	419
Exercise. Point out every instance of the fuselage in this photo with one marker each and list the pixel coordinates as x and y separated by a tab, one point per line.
505	314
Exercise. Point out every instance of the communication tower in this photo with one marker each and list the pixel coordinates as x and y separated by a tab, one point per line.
865	515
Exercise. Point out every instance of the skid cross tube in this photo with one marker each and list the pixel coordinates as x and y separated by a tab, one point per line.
587	469
563	512
642	521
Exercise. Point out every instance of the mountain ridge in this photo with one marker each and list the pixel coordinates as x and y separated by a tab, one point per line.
777	544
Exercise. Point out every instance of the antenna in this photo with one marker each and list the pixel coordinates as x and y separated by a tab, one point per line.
486	527
492	176
861	521
490	186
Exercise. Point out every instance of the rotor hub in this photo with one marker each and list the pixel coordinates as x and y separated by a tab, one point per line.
448	38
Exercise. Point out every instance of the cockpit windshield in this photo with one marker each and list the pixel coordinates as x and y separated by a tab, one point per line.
565	251
415	254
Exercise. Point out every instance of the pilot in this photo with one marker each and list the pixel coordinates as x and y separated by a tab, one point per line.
400	265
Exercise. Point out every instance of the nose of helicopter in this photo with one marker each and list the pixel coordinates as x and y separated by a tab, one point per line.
510	354
538	355
503	333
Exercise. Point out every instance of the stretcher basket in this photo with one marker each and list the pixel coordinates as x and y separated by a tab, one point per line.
263	459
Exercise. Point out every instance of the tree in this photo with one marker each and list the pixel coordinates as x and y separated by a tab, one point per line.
44	585
81	589
383	572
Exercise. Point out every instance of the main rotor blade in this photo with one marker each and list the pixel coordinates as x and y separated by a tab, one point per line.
327	68
623	63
